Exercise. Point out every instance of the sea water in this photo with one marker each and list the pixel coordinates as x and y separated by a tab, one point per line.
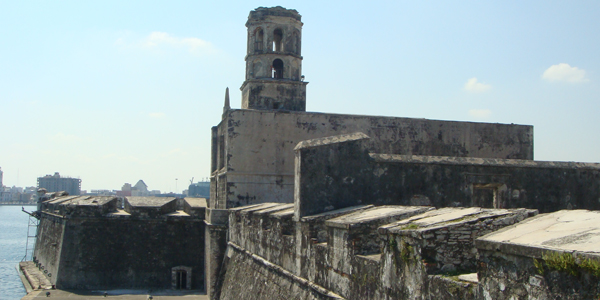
13	238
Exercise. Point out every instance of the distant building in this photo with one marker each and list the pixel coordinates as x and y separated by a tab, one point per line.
199	190
140	189
1	183
56	183
17	195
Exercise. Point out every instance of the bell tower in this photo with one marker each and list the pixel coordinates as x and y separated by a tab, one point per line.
274	79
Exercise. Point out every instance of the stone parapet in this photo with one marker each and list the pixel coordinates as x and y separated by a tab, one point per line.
370	252
550	256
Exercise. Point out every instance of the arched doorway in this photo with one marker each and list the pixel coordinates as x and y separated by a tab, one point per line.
278	69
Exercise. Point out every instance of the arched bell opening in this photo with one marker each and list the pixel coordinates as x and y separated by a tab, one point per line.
277	40
259	36
278	69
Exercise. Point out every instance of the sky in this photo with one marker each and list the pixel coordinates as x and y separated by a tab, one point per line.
117	91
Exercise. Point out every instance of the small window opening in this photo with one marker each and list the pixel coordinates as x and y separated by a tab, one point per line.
277	40
181	280
486	195
278	69
275	106
258	42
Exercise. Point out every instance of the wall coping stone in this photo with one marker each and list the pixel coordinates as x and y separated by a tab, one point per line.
499	162
571	231
449	216
328	140
334	213
274	209
374	214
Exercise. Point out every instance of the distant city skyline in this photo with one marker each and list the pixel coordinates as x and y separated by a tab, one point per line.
113	92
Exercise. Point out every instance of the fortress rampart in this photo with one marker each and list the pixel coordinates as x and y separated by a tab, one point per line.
88	242
339	240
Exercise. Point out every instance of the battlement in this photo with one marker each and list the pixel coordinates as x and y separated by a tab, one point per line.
261	13
123	207
93	242
351	250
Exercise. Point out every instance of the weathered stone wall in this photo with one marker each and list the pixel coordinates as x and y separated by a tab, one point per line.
49	244
335	251
438	242
255	157
87	242
338	172
450	288
550	256
282	95
265	230
506	277
250	277
116	253
451	181
215	245
330	173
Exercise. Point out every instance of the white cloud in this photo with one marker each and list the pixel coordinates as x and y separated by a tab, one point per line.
473	86
480	113
194	45
564	72
156	115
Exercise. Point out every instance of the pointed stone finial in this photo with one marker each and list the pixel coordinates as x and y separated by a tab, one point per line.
226	107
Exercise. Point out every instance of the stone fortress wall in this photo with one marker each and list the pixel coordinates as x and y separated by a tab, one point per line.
253	150
91	242
360	250
339	171
383	207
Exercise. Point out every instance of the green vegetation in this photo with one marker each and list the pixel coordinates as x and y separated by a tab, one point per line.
392	244
561	262
410	226
405	252
539	266
566	262
591	266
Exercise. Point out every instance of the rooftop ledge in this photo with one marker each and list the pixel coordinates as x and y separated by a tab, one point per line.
448	160
574	231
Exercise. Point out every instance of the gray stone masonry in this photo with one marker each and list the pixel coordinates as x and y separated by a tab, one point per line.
216	223
550	256
253	150
96	242
339	172
363	252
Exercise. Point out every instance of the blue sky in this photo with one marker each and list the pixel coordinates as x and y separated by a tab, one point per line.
117	91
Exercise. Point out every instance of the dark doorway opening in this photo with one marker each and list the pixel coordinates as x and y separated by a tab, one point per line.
181	280
278	69
277	40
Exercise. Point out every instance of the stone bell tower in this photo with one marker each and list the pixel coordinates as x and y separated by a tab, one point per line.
274	79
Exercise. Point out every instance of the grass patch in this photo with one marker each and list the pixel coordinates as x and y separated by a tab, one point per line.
561	262
566	262
410	226
406	252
